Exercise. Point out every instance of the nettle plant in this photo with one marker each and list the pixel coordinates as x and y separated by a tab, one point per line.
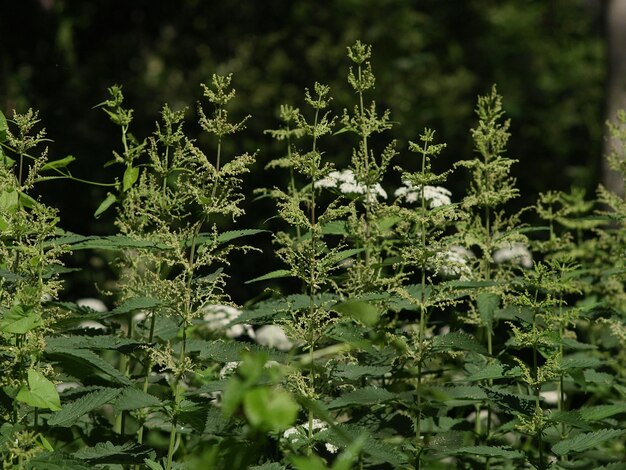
425	329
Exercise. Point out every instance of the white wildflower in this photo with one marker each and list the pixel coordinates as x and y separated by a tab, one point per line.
455	262
435	195
346	182
217	317
228	369
273	336
331	448
291	432
94	304
300	433
514	253
550	397
351	188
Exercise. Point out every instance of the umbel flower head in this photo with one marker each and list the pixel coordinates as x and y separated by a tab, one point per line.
299	433
217	318
346	183
435	195
515	253
455	263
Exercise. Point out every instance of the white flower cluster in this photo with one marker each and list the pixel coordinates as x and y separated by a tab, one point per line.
435	195
273	336
514	253
300	432
346	182
455	262
217	317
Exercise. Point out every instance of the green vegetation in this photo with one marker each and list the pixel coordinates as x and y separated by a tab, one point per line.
406	326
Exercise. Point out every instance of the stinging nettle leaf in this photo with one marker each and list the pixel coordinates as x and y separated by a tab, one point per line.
362	396
72	411
586	441
234	234
458	341
132	398
361	311
600	412
272	275
487	451
107	452
93	360
137	303
487	304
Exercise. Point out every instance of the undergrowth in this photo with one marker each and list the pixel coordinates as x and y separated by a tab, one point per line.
426	329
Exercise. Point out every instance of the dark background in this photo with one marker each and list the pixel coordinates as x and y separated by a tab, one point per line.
431	59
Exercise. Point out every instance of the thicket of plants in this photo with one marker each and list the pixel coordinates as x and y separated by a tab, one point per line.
418	328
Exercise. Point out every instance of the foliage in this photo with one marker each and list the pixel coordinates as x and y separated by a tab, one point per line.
417	329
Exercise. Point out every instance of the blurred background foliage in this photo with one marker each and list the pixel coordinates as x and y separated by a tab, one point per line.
431	59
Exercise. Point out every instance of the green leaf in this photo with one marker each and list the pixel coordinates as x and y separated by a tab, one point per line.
585	441
56	164
270	409
107	452
137	303
20	320
524	404
494	371
487	304
600	412
234	234
268	466
335	227
40	393
115	242
92	342
55	461
130	177
229	351
362	396
9	201
232	397
457	341
133	398
152	465
310	462
26	200
344	254
487	451
273	275
72	411
361	311
348	457
5	160
4	127
90	358
579	362
356	371
104	205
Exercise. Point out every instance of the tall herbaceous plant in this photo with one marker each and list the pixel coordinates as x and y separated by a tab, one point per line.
408	325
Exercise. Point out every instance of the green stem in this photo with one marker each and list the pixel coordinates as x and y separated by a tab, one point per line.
148	369
312	291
